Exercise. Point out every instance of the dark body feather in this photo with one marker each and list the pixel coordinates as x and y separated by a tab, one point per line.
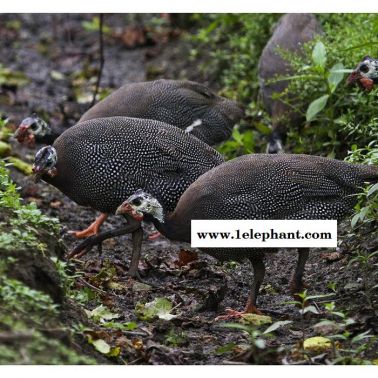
103	161
291	32
263	186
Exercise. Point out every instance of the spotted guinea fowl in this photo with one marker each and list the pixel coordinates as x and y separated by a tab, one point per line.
258	186
365	74
100	162
186	104
291	32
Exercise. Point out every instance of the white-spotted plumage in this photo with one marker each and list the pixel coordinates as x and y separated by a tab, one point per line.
103	161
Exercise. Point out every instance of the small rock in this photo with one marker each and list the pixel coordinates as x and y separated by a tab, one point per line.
317	344
256	319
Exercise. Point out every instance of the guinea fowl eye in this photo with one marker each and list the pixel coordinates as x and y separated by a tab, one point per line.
364	68
137	201
33	126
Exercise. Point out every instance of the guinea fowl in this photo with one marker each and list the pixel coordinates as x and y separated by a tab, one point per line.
291	32
186	104
100	162
365	74
258	186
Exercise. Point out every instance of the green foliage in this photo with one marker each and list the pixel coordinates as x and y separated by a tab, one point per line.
82	295
38	349
337	116
257	345
21	225
159	308
238	144
176	338
23	300
366	209
235	42
25	314
334	116
347	348
101	314
367	263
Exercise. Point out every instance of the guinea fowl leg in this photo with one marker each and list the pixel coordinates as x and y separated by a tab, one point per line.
297	285
92	229
258	277
137	238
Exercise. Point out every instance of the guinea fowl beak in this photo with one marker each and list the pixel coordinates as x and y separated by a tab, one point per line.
22	134
37	170
126	208
353	78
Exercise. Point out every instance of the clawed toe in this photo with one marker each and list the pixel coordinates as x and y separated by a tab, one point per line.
230	314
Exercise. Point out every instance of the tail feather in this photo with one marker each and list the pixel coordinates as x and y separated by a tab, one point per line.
369	173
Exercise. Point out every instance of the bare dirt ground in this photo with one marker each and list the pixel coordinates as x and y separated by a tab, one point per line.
199	290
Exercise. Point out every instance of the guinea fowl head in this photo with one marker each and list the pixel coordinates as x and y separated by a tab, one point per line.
31	127
44	162
365	74
140	204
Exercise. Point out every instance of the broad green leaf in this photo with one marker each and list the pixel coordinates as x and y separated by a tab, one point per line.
311	309
372	190
335	76
128	326
355	219
114	352
319	54
101	346
310	297
361	337
315	107
242	327
277	325
159	307
229	347
140	286
101	313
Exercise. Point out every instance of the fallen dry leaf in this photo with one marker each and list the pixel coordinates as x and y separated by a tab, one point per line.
185	257
332	256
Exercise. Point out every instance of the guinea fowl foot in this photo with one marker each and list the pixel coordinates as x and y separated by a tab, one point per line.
93	229
154	235
233	314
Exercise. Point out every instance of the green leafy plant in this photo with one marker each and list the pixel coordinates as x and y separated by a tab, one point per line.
21	225
347	348
336	116
176	338
159	308
256	348
306	307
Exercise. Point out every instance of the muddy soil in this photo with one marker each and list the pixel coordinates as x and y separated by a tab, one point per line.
200	290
